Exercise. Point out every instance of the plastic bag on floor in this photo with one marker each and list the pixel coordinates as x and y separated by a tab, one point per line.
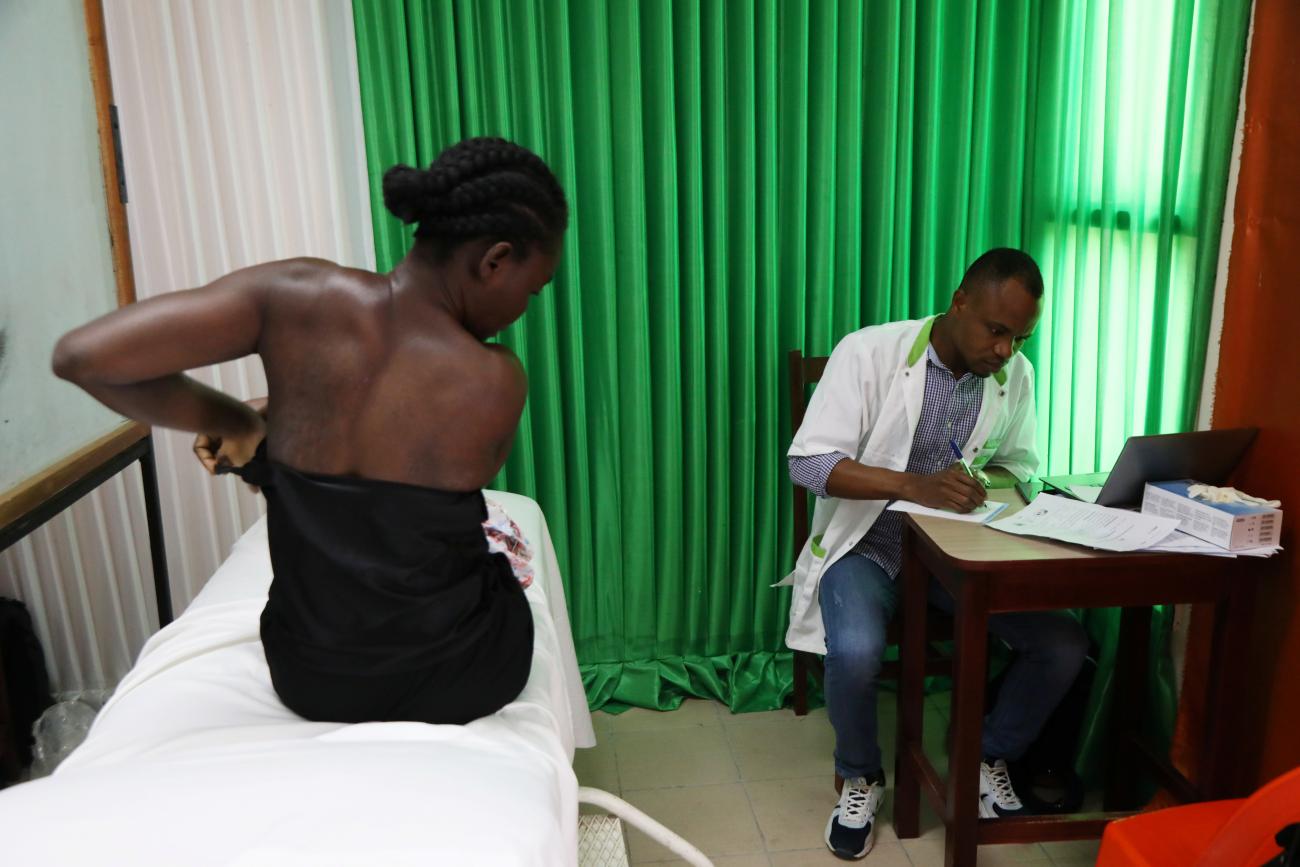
61	729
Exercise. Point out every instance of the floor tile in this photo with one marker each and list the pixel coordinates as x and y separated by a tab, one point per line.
673	757
1013	853
692	714
783	749
887	711
1067	851
792	814
756	789
924	852
757	859
882	855
785	714
716	820
597	767
934	730
930	853
941	702
929	825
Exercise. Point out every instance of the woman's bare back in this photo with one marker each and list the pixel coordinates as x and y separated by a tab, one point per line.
366	381
369	375
381	376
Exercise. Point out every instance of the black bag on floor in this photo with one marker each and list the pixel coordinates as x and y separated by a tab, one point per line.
24	679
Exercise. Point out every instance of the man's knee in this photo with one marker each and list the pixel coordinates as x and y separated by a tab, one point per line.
857	654
856	602
1066	644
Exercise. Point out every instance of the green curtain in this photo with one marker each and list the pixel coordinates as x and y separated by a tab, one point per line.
747	178
1138	102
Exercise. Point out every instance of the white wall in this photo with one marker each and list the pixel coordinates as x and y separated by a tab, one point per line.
241	131
1205	411
56	265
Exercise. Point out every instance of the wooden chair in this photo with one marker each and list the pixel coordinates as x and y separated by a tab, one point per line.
804	372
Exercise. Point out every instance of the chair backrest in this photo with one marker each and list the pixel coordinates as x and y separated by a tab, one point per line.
803	372
1248	836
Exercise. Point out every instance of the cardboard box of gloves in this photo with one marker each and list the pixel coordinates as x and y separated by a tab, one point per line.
1222	516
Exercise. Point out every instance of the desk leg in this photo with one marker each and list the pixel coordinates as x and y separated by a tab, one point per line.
970	660
911	689
1222	751
1127	702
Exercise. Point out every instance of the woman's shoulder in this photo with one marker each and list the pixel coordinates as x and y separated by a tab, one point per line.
309	275
309	291
505	367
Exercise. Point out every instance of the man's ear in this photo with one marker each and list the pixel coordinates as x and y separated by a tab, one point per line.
493	258
960	299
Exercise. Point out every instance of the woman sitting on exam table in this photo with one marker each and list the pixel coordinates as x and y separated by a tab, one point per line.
390	415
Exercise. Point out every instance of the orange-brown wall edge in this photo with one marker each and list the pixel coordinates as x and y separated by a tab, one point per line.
1258	384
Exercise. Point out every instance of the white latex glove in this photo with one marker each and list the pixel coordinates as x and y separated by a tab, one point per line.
1211	494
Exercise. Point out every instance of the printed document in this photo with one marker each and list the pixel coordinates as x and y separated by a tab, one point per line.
1087	524
985	513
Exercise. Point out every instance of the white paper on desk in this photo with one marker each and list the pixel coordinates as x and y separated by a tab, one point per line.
1087	524
1257	552
981	515
1179	542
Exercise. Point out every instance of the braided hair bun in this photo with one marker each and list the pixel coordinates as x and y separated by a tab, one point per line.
480	187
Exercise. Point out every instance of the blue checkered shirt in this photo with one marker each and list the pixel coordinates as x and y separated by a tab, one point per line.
948	411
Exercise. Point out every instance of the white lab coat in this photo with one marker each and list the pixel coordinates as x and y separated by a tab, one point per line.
867	405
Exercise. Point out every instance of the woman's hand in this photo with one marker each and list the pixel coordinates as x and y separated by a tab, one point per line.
233	450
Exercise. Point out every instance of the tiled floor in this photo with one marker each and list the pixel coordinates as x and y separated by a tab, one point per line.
756	789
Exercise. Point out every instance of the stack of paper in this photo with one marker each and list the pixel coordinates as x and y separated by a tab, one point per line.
1087	524
981	515
1257	552
1109	529
1179	542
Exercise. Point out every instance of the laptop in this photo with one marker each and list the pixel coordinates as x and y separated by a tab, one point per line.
1208	456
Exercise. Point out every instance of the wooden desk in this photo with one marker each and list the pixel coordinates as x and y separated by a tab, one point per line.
988	572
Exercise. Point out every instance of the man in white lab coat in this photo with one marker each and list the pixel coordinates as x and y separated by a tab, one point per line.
895	405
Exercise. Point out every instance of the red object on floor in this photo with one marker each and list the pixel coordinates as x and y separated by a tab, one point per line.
1236	833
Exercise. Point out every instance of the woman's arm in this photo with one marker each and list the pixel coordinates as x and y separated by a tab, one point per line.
133	360
215	451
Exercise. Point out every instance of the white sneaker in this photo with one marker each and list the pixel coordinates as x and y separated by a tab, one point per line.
997	797
851	830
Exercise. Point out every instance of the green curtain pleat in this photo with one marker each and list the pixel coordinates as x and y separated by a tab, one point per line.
750	177
1129	162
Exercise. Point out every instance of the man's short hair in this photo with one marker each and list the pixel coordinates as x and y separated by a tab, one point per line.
1001	264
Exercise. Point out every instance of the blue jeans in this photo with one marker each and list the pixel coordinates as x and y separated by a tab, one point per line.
858	599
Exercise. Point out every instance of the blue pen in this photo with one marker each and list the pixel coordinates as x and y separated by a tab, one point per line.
961	460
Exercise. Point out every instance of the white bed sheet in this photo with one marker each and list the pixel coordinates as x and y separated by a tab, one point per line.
194	761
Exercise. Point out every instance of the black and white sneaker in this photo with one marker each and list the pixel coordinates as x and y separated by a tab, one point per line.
851	830
997	797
